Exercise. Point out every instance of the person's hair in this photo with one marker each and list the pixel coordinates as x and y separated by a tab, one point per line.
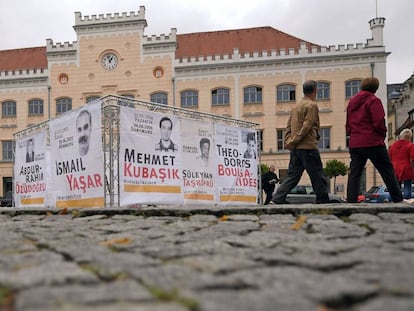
309	87
250	136
166	119
85	112
204	141
370	84
406	134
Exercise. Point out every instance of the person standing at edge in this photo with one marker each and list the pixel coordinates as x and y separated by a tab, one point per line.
302	139
269	181
402	155
365	125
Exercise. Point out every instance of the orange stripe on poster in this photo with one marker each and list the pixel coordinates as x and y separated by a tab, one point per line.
152	188
199	196
238	198
91	202
33	201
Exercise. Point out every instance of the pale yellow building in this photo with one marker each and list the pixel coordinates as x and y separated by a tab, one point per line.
253	74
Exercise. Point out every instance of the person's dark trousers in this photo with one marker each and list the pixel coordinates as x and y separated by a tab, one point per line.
381	160
269	193
300	160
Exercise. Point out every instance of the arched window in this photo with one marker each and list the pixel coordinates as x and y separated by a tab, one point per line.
35	107
91	98
220	97
126	102
8	147
352	87
160	98
286	92
63	104
189	99
8	109
252	95
323	90
325	138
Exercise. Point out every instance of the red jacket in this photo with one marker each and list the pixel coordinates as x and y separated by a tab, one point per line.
401	154
365	121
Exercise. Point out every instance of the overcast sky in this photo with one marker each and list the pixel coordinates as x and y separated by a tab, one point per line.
28	23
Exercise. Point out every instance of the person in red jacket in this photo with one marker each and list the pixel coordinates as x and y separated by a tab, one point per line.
402	156
365	125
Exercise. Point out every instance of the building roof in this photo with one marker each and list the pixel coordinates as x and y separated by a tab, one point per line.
246	40
27	58
198	44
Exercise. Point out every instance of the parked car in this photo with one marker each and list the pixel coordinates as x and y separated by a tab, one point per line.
304	194
380	194
7	200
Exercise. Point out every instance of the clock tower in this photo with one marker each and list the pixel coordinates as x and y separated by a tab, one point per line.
111	56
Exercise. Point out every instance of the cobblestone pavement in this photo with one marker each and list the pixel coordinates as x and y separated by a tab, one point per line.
208	259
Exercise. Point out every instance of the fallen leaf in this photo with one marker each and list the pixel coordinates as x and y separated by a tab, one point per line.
120	241
324	308
224	218
298	224
63	211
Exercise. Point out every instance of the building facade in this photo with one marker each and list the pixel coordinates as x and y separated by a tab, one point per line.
253	74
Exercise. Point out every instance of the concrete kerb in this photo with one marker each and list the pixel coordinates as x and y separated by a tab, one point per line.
187	211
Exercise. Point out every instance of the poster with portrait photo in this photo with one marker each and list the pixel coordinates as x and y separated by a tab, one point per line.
77	157
197	139
150	158
236	176
31	170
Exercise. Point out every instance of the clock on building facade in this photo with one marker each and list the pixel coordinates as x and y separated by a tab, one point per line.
109	61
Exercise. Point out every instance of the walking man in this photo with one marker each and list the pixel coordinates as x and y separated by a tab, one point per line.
302	139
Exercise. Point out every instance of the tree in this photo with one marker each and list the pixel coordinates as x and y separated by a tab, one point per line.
264	168
335	168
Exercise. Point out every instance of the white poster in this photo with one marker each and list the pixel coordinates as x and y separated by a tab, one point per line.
236	169
198	162
150	158
31	171
77	158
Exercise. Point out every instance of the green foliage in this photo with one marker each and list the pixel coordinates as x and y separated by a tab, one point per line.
335	168
264	168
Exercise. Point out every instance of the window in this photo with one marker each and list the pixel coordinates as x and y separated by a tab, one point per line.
280	139
189	99
8	150
160	98
35	107
286	92
352	87
8	109
220	97
323	90
260	139
91	98
126	102
252	94
63	105
325	139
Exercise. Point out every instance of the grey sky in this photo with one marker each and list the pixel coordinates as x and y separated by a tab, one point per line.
27	23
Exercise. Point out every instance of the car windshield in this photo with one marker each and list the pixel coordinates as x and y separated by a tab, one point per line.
373	190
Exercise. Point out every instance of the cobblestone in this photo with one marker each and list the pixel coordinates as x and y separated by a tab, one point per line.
345	257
